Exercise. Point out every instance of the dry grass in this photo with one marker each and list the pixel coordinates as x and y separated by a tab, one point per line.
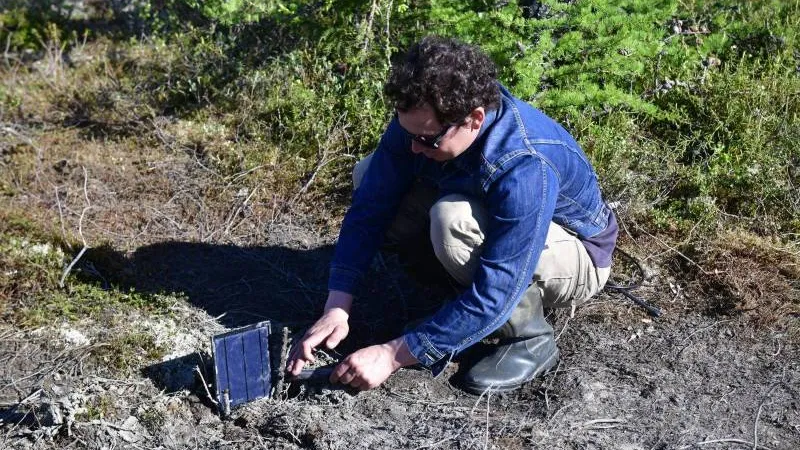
741	273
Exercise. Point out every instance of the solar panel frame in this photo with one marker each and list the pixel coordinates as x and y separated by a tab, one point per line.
242	366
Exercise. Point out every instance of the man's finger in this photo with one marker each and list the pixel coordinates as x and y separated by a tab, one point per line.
294	356
292	353
297	347
348	377
311	340
338	372
335	338
297	367
308	351
350	374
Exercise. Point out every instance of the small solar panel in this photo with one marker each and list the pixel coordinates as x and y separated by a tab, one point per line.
242	365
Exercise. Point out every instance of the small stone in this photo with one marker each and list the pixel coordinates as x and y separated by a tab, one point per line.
397	412
128	431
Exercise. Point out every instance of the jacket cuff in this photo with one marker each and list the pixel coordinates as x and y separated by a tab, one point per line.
422	349
342	279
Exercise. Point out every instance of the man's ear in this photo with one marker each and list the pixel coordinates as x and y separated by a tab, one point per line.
478	115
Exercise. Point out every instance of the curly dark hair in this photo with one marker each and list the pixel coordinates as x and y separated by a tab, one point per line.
451	76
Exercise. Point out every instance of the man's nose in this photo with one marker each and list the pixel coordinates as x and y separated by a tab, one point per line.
416	147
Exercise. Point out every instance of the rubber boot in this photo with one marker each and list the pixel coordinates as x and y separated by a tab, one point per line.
526	350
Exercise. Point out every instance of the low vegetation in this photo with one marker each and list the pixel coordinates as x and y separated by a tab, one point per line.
127	125
689	111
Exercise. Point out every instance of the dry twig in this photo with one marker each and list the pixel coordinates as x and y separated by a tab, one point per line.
367	29
758	414
80	230
282	365
677	252
61	215
205	386
718	441
600	424
566	322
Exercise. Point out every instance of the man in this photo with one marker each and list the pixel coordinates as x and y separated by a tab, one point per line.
514	213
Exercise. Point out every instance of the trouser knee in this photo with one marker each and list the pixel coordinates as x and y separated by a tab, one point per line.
565	272
456	233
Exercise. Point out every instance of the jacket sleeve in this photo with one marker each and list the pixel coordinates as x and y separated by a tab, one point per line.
375	202
520	205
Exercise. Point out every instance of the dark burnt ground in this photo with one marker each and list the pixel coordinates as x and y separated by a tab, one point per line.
684	381
718	370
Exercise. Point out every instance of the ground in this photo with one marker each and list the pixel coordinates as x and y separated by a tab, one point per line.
163	226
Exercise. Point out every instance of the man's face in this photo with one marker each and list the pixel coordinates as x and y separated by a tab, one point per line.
451	139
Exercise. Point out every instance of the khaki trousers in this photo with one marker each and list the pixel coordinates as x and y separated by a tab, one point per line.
565	273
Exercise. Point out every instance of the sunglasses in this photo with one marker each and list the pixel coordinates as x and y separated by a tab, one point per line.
429	140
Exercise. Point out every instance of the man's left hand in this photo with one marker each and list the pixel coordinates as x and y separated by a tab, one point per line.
369	367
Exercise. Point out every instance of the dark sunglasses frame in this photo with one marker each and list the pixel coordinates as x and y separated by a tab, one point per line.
431	141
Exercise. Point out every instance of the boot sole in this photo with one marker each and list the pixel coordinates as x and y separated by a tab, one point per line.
543	369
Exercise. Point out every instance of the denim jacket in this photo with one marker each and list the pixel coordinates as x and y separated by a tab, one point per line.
527	169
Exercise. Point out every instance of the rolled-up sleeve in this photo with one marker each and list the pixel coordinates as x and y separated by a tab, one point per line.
520	205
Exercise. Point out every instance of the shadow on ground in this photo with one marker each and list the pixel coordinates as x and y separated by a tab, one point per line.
243	285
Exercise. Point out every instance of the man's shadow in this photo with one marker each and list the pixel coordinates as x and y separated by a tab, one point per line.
243	285
240	286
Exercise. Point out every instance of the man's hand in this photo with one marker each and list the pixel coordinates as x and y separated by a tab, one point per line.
331	328
371	366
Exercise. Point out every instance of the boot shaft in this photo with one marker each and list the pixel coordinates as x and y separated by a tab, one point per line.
527	320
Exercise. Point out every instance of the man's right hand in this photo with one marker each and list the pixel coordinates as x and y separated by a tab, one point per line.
330	329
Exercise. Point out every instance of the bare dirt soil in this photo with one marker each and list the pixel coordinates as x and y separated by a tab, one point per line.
706	375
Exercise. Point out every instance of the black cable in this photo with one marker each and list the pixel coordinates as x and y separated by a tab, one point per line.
625	290
635	285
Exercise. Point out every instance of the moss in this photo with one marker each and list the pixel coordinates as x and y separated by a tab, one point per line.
152	418
100	407
31	282
130	351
